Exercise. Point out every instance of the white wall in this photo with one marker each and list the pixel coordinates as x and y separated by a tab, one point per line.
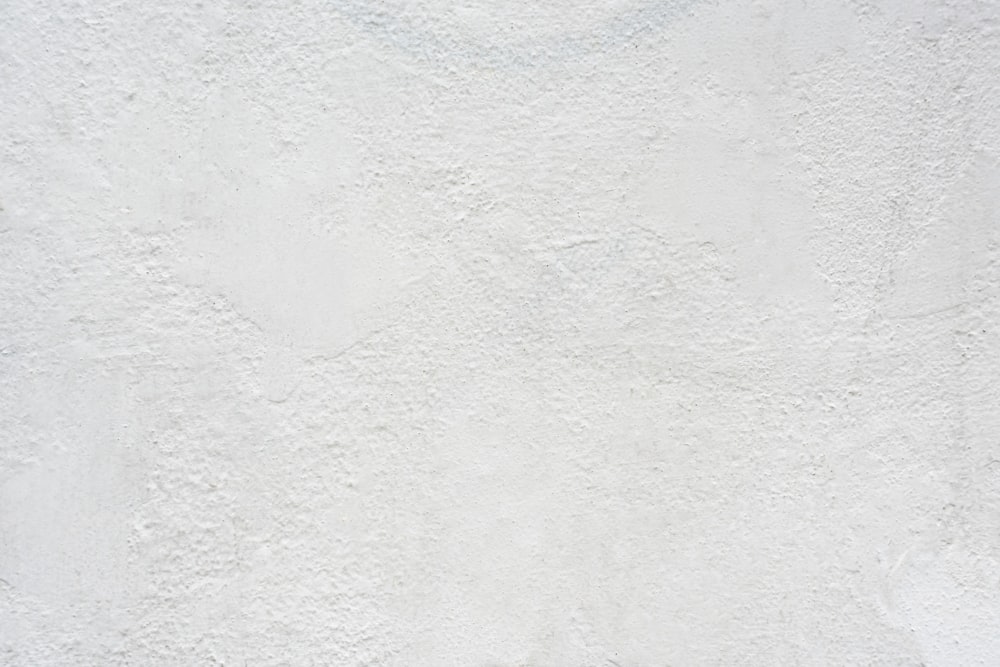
631	333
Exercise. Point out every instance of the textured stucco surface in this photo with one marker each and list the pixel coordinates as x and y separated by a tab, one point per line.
500	333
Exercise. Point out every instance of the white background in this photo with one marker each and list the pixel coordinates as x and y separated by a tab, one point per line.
499	333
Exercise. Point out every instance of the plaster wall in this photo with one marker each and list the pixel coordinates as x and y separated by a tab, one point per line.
498	333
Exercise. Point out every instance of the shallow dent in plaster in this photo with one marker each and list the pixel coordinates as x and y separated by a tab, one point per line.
738	195
937	275
946	597
269	212
289	247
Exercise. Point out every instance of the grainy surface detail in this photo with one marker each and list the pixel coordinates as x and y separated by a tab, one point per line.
500	333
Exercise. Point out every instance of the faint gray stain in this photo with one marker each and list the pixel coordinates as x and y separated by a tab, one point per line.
505	34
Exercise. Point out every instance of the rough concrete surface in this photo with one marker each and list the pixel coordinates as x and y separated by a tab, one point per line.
500	333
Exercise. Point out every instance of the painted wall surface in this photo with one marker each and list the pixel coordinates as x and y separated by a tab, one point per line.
500	333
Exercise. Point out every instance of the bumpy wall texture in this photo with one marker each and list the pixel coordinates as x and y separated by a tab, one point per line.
500	333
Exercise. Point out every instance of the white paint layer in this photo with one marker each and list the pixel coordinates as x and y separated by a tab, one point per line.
633	333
